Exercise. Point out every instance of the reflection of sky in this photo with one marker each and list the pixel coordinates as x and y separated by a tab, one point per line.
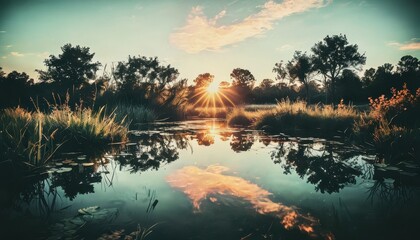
199	184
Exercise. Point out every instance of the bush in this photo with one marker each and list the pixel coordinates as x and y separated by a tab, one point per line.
392	125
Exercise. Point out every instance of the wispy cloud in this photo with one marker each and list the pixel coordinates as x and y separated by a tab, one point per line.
414	44
43	54
284	47
202	33
2	31
17	54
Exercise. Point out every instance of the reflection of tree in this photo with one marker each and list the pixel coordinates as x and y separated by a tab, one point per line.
205	138
152	150
329	168
76	182
241	141
390	192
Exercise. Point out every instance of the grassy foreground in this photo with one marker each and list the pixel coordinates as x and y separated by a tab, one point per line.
290	116
31	139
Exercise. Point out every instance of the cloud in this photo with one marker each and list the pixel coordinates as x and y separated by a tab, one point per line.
2	31
410	46
413	45
284	47
17	54
43	54
202	33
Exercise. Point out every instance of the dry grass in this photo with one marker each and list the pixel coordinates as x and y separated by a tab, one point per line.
32	138
287	115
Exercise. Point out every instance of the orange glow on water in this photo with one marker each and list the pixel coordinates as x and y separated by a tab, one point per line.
199	184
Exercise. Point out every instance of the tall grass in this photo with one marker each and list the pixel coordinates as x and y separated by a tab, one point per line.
299	115
32	138
241	117
85	127
133	114
23	137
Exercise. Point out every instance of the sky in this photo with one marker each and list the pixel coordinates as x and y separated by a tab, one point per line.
199	36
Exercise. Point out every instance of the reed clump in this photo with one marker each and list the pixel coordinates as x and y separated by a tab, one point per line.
31	139
287	115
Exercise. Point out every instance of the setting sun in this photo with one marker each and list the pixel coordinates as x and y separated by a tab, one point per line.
213	88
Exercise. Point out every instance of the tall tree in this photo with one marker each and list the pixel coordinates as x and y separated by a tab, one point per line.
349	87
409	70
334	54
14	89
266	83
143	72
379	81
299	68
2	74
144	80
73	67
203	80
242	83
243	78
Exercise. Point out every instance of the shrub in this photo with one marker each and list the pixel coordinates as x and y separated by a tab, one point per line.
392	125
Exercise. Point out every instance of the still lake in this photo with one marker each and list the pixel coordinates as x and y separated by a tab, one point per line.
203	180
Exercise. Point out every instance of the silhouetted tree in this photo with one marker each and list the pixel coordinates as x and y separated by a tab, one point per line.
368	77
14	89
203	80
334	54
73	67
409	70
224	84
143	77
2	74
266	83
243	78
381	80
299	68
349	87
242	83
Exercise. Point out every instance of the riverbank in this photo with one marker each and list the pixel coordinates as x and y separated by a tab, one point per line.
29	140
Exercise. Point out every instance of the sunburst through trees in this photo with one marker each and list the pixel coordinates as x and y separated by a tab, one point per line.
209	94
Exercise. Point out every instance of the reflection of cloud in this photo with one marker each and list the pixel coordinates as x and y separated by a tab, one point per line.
203	33
414	45
199	184
17	54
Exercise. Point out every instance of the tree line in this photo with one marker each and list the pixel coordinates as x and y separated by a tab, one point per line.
331	71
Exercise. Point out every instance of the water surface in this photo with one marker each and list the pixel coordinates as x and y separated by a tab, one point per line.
203	180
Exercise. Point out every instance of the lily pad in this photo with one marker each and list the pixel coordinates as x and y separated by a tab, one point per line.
63	170
88	210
